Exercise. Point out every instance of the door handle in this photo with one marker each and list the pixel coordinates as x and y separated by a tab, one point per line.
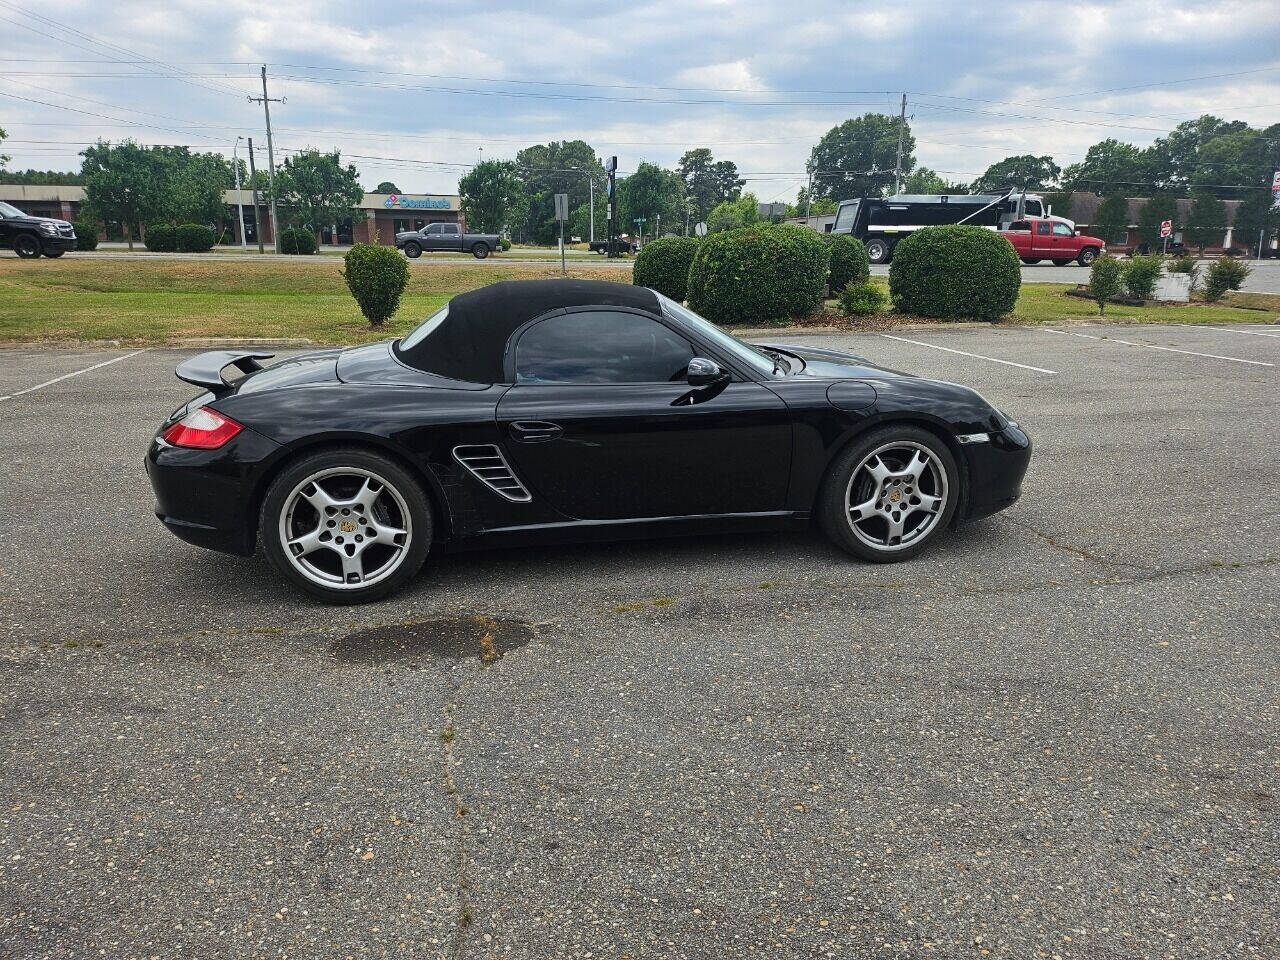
535	431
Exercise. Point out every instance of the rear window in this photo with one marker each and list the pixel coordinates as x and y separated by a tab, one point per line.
423	330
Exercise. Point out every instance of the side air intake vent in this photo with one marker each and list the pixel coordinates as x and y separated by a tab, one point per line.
487	464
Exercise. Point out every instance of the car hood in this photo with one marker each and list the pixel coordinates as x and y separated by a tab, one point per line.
53	220
821	363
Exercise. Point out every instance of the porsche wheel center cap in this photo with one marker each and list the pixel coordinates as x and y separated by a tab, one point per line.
895	496
346	526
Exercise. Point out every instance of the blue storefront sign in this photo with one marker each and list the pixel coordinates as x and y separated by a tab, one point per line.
400	202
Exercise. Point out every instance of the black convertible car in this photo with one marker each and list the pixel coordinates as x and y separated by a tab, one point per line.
565	409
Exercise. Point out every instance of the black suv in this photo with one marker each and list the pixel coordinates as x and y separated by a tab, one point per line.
32	236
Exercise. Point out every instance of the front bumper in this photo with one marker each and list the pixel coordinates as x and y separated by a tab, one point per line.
996	465
209	498
57	243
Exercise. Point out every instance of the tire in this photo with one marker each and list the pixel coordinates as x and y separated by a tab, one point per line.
26	246
879	250
1087	256
480	251
1061	263
851	480
1030	261
413	250
54	254
316	497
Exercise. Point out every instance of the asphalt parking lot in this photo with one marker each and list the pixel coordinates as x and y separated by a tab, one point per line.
1053	735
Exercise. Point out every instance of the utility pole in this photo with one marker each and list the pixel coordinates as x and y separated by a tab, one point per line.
808	201
266	101
902	124
235	162
591	204
257	209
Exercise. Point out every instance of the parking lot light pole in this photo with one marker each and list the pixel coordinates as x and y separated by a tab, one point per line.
244	244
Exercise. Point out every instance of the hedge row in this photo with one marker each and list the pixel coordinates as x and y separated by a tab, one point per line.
663	265
297	240
762	274
185	238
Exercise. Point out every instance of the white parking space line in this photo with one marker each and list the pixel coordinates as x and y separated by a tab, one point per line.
976	356
1249	333
74	373
1152	346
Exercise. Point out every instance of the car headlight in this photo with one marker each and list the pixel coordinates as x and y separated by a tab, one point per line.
50	228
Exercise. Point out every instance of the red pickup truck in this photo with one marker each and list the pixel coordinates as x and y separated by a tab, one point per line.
1035	240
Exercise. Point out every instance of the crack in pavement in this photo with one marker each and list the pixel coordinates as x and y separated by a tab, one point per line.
1078	551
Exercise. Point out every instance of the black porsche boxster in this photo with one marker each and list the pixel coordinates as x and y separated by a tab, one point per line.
565	409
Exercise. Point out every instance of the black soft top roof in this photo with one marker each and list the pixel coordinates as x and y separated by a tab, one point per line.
470	343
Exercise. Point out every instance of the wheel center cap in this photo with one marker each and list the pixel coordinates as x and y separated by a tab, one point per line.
346	526
895	496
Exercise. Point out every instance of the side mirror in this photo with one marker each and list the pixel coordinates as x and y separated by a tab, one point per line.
703	372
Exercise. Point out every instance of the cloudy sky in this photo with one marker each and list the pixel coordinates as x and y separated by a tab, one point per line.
414	92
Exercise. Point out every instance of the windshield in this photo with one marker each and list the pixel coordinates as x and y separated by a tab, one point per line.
8	211
420	332
846	217
748	354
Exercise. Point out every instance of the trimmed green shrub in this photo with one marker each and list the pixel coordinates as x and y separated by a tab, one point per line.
664	264
161	238
1141	274
86	233
376	276
297	240
505	243
761	274
194	238
1225	273
955	271
849	263
1105	280
1188	265
861	299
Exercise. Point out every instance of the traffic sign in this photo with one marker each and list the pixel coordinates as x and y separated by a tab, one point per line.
700	229
640	220
1275	190
562	206
1166	228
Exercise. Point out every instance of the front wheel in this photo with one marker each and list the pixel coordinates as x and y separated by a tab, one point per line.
1087	256
26	246
346	525
480	251
412	250
889	494
878	250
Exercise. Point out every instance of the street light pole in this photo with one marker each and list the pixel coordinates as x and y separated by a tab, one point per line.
591	204
235	162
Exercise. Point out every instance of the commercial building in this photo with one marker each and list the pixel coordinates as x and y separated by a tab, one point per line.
382	215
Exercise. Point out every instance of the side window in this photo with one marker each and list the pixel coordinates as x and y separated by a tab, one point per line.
433	230
601	347
1062	230
449	229
1034	209
1043	229
1020	226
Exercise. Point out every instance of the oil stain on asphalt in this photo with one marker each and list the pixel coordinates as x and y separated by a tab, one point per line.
453	638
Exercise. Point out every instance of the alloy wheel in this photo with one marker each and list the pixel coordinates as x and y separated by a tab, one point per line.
896	495
345	528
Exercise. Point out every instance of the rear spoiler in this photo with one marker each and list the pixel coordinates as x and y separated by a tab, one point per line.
205	370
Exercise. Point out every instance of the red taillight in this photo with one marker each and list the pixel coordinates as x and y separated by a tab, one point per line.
204	429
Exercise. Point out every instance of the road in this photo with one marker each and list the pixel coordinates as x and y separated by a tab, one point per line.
1265	276
1054	734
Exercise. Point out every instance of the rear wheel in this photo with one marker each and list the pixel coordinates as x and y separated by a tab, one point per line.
1061	263
889	494
346	525
26	246
413	250
1030	261
879	250
1087	256
480	251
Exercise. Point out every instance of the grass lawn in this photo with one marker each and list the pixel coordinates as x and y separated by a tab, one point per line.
150	302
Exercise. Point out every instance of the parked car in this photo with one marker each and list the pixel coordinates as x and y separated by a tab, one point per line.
552	410
447	236
620	245
31	236
1036	239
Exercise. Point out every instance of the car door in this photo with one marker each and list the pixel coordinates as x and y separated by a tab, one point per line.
450	236
601	421
431	237
1042	239
1064	242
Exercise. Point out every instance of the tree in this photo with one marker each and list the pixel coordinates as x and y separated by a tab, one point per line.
124	183
1160	207
732	214
1108	165
652	193
708	181
857	158
1025	170
1173	161
1206	221
493	196
317	190
1241	157
813	206
1255	218
43	177
1113	219
548	169
924	180
386	186
193	185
